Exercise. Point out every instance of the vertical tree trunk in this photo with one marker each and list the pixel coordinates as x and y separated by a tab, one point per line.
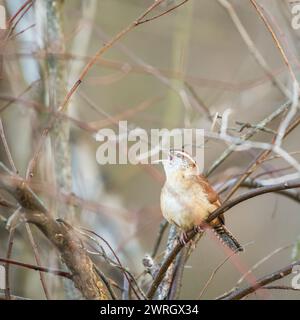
50	14
55	93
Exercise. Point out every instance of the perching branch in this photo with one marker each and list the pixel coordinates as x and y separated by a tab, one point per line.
225	207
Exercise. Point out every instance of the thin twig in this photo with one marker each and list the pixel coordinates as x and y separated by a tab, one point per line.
12	231
7	266
279	274
259	10
251	46
86	280
38	268
281	109
83	74
253	268
24	5
37	259
13	100
22	31
107	283
126	273
215	272
164	13
6	147
258	160
13	27
102	50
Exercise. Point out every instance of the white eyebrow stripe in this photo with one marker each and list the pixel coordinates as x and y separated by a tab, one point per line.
186	155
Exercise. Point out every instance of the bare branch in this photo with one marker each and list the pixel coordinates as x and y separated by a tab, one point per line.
242	293
280	110
73	255
38	268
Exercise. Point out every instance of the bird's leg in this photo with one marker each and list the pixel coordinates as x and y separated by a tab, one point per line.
183	238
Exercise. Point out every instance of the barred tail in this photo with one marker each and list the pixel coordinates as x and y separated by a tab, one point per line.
227	238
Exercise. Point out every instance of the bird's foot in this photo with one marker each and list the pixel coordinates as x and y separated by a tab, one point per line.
198	229
183	238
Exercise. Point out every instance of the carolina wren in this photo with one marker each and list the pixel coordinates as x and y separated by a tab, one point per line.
187	199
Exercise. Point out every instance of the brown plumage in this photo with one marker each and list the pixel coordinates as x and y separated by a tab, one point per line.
187	198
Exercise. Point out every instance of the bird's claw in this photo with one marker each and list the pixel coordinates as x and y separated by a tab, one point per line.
198	229
183	239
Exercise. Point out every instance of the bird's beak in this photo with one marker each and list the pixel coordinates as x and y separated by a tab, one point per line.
158	161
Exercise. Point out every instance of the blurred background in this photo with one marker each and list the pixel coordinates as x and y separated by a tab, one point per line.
173	72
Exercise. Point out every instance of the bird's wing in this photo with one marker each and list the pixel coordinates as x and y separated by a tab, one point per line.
212	195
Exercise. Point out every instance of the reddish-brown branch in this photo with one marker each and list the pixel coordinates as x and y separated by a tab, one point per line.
164	13
37	268
83	74
102	50
11	19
